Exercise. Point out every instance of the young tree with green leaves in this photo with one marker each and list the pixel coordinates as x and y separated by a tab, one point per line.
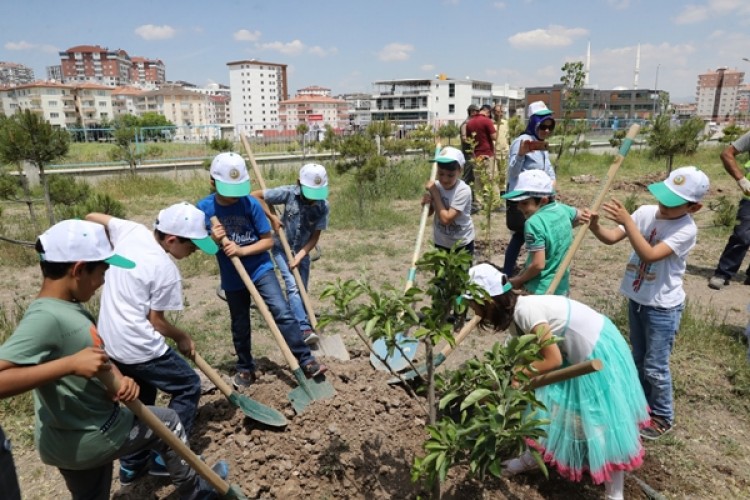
26	136
667	141
572	79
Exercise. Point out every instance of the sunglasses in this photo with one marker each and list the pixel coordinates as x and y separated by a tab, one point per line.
547	128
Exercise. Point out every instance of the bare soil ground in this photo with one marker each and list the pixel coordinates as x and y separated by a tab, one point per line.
361	443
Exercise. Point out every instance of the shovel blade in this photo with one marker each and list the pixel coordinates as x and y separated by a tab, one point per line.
309	390
331	346
234	493
396	361
421	370
257	411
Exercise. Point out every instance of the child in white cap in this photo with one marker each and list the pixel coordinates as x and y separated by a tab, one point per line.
56	350
548	232
243	223
594	418
305	217
661	235
133	321
450	198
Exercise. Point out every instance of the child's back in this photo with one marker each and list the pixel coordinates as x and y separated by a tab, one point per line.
550	229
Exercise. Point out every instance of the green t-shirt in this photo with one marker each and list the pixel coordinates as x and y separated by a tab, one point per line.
549	229
78	426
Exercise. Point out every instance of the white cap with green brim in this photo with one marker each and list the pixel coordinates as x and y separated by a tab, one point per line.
490	279
684	185
531	184
77	240
186	221
230	175
313	180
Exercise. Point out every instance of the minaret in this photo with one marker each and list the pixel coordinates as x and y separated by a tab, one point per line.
588	64
637	66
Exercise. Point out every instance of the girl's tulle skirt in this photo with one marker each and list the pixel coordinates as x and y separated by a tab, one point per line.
595	419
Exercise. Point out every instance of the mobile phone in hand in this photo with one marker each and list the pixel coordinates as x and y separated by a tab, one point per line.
537	145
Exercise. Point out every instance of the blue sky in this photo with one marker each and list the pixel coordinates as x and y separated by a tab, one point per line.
346	45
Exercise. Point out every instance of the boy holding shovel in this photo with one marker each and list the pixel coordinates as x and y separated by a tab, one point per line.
244	224
132	319
305	216
56	351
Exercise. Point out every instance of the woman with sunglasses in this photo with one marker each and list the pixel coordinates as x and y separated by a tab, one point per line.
527	152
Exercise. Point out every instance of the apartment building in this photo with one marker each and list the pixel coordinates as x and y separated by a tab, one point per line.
314	110
15	74
125	100
257	88
148	73
593	104
359	109
63	105
434	101
188	111
717	94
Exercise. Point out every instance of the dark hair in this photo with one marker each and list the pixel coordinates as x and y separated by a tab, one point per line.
57	270
451	166
497	311
161	236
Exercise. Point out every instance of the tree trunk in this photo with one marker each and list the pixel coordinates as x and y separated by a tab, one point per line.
47	198
29	201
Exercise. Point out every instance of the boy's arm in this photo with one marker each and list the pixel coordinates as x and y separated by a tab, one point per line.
305	250
535	267
273	219
647	252
99	218
607	235
446	215
15	379
184	342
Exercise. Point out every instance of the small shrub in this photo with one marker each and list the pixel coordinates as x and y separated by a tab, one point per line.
724	211
66	190
631	203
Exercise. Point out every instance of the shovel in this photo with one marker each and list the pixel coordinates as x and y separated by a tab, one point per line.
606	184
250	407
442	355
309	389
144	414
330	345
555	376
406	349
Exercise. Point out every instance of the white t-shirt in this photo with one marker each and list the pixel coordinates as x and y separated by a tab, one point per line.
659	284
462	228
129	294
577	324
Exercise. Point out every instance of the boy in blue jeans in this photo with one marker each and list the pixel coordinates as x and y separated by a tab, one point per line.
56	351
548	232
132	316
662	236
305	217
242	221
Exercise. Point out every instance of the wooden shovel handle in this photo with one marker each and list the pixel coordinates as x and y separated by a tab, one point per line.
262	307
212	375
572	371
284	242
161	430
422	226
632	132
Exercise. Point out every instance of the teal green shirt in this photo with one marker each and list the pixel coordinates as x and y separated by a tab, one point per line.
77	425
549	229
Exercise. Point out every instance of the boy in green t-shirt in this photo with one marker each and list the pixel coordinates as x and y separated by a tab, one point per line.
57	352
548	232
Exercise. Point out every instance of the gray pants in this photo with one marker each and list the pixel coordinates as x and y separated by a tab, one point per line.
95	483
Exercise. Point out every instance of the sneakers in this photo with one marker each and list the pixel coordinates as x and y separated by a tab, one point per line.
128	476
243	379
659	426
524	463
314	369
717	282
310	337
203	489
158	467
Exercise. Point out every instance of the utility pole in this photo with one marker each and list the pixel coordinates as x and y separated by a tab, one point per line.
657	97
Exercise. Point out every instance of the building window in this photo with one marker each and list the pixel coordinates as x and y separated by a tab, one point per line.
54	115
451	108
452	90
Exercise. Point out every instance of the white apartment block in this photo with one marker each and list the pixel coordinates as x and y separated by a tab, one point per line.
64	106
220	97
94	103
314	110
434	101
188	111
359	111
257	87
125	100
